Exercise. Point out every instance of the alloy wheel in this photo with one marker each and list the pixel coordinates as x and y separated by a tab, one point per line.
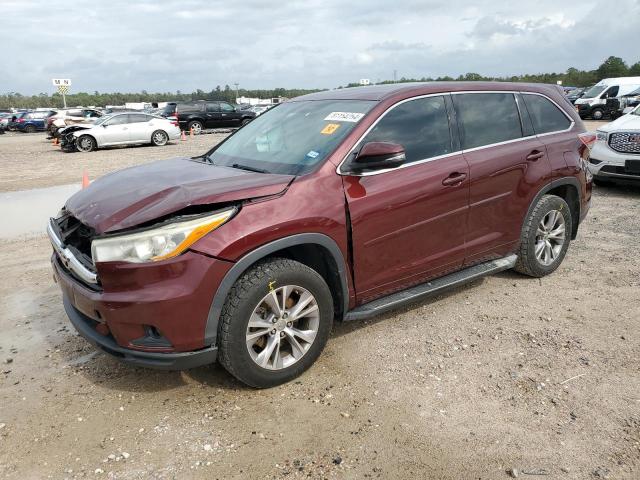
85	144
159	138
550	237
282	327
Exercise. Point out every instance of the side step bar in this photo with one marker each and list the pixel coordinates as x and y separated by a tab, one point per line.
425	290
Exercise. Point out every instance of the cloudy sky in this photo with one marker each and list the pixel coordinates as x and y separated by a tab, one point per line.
168	45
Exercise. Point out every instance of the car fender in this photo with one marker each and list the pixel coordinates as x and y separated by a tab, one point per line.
219	298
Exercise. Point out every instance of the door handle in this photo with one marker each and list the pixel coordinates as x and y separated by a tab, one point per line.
456	178
535	155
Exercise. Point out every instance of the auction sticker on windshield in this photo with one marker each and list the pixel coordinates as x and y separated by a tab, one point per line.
330	128
344	117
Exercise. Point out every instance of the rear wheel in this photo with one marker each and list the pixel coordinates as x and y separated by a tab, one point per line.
30	129
195	126
275	322
597	114
159	138
85	143
545	237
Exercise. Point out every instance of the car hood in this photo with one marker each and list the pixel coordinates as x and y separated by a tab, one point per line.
138	195
625	122
75	128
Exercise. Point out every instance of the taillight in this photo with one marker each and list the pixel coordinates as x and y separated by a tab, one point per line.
20	120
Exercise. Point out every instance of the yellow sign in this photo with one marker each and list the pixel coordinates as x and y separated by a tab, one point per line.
330	128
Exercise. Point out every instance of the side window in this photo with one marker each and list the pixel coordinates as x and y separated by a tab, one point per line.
421	126
137	118
118	120
612	92
487	118
225	107
546	117
213	107
74	113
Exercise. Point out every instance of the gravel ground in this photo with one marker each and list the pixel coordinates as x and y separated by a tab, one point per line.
507	376
31	161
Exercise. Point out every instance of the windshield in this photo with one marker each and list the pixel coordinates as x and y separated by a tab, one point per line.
594	91
291	138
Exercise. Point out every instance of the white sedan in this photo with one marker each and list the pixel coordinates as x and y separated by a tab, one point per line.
120	129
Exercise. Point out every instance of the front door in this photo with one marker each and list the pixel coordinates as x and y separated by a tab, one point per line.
229	116
114	130
409	223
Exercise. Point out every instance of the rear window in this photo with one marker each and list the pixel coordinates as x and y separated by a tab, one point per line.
546	116
487	118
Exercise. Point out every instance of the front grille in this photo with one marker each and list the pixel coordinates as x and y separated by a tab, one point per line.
625	142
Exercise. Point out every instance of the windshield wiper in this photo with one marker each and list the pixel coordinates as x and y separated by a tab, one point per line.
248	168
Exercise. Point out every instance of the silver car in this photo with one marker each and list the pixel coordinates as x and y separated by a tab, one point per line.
120	129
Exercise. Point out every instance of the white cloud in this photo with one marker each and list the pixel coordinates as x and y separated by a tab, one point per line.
154	45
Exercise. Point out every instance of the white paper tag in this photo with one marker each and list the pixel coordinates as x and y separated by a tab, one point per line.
344	117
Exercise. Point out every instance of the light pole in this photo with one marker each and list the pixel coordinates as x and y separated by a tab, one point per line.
236	84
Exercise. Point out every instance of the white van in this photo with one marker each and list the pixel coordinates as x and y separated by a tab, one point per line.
592	103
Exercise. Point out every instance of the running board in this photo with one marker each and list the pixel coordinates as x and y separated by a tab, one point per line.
425	290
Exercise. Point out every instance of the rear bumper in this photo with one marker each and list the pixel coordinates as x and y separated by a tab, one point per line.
163	361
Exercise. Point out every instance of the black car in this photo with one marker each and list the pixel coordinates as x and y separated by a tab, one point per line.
575	94
207	114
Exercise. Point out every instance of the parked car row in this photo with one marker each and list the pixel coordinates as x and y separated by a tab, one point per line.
608	98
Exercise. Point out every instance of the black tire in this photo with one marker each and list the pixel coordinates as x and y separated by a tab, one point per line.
597	114
30	129
196	125
245	121
528	263
245	295
159	138
86	143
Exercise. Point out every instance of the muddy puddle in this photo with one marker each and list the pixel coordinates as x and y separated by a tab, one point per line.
26	212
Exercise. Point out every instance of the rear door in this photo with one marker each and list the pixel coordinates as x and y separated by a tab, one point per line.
507	164
212	117
409	223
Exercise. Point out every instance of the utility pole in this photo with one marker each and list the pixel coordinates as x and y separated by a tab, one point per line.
236	84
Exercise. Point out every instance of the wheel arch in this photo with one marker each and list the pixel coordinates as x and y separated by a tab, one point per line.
567	188
315	250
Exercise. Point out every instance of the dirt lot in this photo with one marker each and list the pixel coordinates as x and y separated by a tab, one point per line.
541	376
31	161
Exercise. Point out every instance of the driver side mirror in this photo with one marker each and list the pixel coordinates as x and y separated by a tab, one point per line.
379	155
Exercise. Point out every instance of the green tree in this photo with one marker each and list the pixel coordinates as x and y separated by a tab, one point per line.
612	67
634	69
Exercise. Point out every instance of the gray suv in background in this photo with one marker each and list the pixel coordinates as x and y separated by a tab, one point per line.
199	115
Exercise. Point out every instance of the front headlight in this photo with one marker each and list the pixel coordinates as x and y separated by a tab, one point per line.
601	136
159	243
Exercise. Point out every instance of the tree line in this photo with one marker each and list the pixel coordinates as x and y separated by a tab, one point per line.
611	67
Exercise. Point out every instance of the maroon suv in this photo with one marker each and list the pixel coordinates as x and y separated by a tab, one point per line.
338	205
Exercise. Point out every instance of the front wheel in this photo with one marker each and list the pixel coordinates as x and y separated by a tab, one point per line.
159	138
545	237
274	323
85	143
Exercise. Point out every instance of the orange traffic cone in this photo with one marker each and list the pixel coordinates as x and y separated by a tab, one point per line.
55	141
183	137
191	132
85	179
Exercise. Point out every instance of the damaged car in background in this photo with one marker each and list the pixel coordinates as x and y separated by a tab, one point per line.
119	129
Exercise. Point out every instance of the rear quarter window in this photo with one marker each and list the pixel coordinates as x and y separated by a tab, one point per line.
487	118
545	115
